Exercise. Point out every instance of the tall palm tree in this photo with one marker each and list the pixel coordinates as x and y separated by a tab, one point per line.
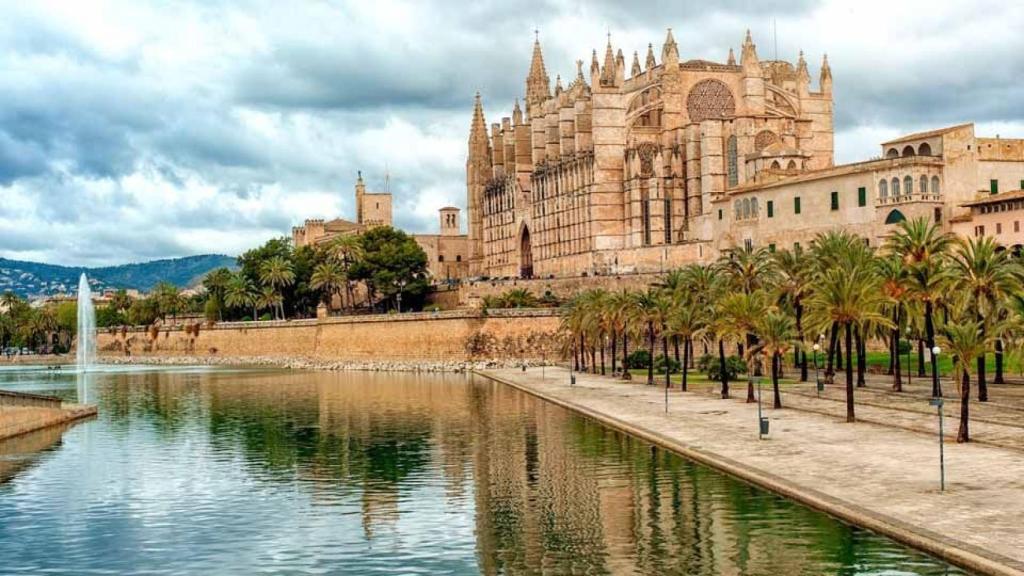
794	286
688	319
849	297
987	276
966	341
241	293
268	298
216	283
346	251
618	304
748	269
893	276
328	278
706	285
743	311
277	273
924	249
651	311
776	332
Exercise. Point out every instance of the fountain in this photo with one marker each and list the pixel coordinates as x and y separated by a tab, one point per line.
86	351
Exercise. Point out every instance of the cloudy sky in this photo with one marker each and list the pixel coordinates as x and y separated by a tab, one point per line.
132	130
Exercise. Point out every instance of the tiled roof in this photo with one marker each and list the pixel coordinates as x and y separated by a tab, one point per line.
928	134
996	198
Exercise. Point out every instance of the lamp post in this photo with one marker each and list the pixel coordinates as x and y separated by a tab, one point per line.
400	283
936	387
938	402
762	421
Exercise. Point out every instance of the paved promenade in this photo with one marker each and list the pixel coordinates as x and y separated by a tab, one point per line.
882	474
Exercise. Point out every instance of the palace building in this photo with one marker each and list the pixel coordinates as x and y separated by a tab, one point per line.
447	251
681	159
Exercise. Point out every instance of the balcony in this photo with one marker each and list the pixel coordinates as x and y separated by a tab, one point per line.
908	199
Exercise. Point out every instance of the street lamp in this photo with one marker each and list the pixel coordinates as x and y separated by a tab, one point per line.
400	283
935	371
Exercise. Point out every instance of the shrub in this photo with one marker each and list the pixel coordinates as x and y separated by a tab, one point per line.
905	347
638	359
659	364
705	361
265	316
734	366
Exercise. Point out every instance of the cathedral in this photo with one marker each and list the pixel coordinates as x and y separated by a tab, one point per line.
645	166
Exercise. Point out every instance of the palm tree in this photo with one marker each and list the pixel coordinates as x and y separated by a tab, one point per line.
277	273
216	283
776	332
987	276
688	320
651	311
748	269
743	311
794	269
241	293
848	297
924	248
706	286
328	278
268	298
619	305
346	251
966	341
894	285
519	298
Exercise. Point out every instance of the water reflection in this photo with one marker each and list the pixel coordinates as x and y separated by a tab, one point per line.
194	470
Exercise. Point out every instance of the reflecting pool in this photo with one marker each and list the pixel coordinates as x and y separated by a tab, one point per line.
230	471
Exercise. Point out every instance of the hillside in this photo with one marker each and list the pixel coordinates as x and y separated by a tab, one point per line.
36	279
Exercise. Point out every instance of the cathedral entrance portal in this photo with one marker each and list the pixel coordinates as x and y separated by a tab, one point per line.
525	254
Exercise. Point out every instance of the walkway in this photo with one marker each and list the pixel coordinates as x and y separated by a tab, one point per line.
877	476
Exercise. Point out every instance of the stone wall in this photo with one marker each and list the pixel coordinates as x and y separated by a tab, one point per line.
449	336
472	293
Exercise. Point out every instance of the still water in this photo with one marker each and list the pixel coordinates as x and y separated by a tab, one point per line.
218	471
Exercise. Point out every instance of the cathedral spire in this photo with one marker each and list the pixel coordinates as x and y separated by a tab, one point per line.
825	80
517	114
651	62
558	84
608	70
748	57
636	71
732	58
803	77
579	73
538	85
478	129
670	50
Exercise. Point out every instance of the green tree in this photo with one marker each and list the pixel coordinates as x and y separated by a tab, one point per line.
216	284
241	293
277	273
392	261
328	279
966	341
776	332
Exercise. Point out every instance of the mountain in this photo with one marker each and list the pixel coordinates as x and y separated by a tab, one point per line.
35	279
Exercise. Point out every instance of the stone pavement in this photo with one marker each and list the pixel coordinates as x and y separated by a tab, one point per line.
881	477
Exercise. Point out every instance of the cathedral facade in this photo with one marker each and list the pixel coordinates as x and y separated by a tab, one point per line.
647	166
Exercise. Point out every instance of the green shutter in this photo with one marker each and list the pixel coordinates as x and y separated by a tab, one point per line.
796	205
719	213
835	200
993	186
771	209
1022	184
862	196
771	247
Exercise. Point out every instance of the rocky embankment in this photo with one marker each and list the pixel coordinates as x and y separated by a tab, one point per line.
300	363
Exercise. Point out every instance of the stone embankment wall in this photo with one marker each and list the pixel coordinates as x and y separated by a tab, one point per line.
451	336
564	287
22	413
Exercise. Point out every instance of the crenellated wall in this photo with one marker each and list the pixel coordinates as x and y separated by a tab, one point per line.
449	336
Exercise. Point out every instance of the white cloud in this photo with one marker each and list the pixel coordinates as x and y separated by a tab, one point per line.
132	130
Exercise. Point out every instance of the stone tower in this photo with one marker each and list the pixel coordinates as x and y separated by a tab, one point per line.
360	194
449	221
478	173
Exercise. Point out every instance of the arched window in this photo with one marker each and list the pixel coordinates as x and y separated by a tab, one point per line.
908	150
895	187
925	149
792	165
935	184
746	208
440	257
775	165
895	217
753	207
730	152
883	189
738	209
892	153
908	186
923	188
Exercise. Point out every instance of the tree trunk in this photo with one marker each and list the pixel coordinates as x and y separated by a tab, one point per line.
999	364
850	417
920	359
861	360
689	346
575	355
625	351
675	346
602	357
721	369
615	344
964	433
897	380
650	350
593	359
982	383
776	361
839	354
686	361
583	353
832	349
668	373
